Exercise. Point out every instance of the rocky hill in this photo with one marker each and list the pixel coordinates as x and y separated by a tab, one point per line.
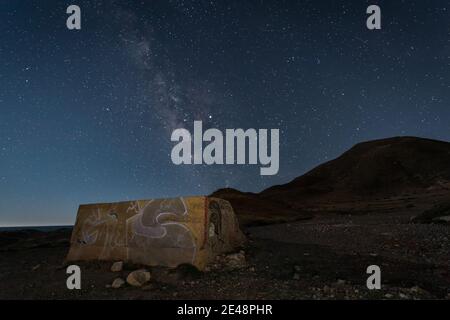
370	171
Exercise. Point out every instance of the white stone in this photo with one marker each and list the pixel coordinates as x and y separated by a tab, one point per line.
138	278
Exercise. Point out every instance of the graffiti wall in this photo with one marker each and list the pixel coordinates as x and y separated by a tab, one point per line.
165	232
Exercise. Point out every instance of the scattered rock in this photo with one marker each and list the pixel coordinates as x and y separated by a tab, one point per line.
235	260
138	277
418	290
388	296
117	266
340	282
403	296
36	267
117	283
437	214
296	276
297	268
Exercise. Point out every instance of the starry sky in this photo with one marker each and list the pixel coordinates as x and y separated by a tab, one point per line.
86	115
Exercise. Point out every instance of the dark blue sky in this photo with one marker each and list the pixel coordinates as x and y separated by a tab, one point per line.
86	116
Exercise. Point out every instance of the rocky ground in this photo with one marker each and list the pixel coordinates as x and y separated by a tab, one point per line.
322	258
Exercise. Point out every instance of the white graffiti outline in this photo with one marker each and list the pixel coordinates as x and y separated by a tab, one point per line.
140	210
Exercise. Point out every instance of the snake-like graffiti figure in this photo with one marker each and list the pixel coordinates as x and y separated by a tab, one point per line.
155	226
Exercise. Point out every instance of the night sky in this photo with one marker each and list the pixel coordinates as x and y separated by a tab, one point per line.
86	116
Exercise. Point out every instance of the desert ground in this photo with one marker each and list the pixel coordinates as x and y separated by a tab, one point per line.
320	258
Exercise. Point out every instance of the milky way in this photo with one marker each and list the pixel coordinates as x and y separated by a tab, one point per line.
86	116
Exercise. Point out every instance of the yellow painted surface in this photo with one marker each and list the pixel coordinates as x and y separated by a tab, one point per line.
163	232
